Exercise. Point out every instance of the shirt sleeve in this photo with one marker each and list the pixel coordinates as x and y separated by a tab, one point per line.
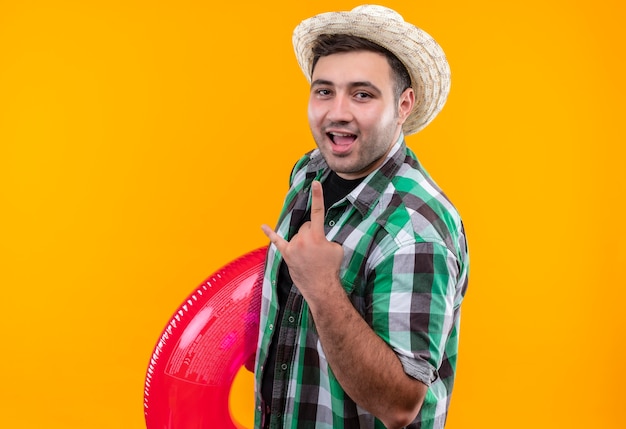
412	305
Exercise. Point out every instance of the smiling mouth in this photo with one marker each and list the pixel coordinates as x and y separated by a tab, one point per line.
341	139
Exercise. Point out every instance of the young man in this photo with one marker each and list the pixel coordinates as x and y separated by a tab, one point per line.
368	264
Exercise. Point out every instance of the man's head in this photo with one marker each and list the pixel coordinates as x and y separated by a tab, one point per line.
355	111
422	57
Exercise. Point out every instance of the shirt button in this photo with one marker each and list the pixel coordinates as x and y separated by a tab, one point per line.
331	223
271	326
292	319
284	367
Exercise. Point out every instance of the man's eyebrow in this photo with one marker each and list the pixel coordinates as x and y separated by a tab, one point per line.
318	82
365	84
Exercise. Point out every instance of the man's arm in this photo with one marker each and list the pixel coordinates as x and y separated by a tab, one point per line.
365	366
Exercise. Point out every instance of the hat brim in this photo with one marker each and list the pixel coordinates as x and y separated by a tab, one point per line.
417	50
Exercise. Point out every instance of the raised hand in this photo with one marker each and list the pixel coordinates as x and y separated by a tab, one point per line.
313	261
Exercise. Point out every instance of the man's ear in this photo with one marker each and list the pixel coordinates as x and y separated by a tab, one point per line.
405	104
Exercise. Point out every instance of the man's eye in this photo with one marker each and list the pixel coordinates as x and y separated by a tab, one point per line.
363	95
323	92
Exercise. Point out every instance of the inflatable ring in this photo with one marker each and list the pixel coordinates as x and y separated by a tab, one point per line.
208	339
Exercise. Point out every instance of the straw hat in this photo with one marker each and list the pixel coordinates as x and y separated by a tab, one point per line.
418	51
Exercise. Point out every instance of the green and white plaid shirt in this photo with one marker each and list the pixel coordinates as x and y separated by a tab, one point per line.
405	270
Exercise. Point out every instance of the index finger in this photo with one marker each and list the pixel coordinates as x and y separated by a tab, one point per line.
317	208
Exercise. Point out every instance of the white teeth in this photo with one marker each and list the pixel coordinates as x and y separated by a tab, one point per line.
341	134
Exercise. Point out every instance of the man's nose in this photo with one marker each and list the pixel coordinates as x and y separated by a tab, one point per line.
339	110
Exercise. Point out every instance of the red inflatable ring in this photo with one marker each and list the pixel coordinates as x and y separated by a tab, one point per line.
208	339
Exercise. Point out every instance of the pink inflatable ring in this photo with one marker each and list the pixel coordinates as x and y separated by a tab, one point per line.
208	339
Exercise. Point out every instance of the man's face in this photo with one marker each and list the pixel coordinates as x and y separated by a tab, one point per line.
353	115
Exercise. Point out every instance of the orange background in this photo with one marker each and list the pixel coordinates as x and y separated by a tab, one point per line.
143	143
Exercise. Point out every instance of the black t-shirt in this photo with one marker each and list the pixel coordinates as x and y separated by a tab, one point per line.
335	188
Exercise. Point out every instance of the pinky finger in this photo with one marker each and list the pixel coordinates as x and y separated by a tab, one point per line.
276	239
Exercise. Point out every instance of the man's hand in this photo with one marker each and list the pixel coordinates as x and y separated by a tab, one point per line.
313	261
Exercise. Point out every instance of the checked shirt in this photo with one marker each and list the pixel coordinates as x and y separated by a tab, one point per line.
405	269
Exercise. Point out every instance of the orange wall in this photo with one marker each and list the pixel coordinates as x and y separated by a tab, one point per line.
143	143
